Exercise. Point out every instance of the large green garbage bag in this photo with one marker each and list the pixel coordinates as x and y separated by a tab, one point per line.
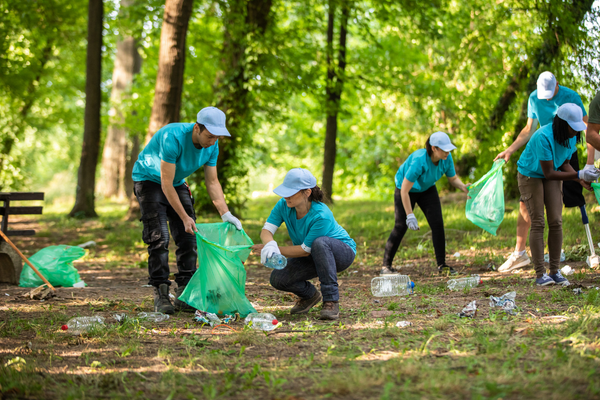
219	284
485	206
56	264
596	187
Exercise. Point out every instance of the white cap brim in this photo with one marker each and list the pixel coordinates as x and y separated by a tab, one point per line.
545	94
577	126
217	130
285	191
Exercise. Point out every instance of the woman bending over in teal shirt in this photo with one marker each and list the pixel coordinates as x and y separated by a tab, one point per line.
415	184
322	248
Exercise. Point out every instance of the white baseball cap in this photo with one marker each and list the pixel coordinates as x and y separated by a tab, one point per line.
214	120
572	113
441	140
295	180
546	85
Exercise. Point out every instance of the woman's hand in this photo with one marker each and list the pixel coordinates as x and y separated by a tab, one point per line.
465	187
586	185
257	247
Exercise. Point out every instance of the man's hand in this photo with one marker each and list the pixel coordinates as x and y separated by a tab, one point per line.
505	155
465	187
228	217
589	173
190	225
268	250
412	223
585	185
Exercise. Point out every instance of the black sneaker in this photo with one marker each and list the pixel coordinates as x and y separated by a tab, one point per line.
447	270
330	310
388	270
303	306
182	306
162	303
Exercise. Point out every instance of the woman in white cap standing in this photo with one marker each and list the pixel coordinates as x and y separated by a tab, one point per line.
321	249
415	184
542	167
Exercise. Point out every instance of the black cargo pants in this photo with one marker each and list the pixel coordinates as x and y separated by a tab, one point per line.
156	211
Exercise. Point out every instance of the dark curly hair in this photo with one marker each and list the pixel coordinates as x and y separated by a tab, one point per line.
560	129
428	147
316	194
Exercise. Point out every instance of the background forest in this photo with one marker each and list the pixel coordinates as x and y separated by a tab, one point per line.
347	89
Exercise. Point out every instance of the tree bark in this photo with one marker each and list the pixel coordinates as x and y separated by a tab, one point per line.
86	177
114	156
334	87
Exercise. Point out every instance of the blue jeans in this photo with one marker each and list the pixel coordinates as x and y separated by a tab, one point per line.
328	257
156	212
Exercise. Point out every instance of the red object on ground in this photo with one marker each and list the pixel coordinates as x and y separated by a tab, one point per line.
64	327
274	322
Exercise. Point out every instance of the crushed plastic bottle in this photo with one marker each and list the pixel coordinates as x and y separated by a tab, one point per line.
207	318
461	283
567	270
391	285
563	256
506	301
78	325
403	324
276	261
90	243
261	321
469	311
153	316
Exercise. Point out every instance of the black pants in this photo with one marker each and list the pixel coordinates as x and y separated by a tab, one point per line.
156	211
572	190
429	202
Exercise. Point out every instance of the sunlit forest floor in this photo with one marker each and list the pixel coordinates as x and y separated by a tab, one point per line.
549	350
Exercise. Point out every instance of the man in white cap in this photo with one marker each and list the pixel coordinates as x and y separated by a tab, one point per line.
174	153
542	107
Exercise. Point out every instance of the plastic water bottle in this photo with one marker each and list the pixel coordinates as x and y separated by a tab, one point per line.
153	316
461	283
77	325
262	321
391	285
276	261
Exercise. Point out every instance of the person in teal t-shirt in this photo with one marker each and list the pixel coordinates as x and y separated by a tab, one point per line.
543	167
541	108
174	153
415	184
321	247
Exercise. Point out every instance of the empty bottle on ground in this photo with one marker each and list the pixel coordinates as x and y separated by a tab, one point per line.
461	283
261	321
276	261
391	285
78	325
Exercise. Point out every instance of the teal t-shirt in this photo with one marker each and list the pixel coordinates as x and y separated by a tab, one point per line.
318	222
419	169
173	144
543	147
545	110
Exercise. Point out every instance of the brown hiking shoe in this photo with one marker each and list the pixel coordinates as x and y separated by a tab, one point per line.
162	303
303	306
330	310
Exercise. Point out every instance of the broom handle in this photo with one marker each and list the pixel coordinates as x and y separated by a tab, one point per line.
26	260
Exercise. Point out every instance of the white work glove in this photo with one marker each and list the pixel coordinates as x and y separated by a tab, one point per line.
412	223
268	251
228	217
589	173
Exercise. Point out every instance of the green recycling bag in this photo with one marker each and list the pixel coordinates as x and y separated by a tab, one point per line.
219	284
56	264
596	187
485	205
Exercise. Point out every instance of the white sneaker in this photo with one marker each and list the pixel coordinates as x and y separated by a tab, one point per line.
515	262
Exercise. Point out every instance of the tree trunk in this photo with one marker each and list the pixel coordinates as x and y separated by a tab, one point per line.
133	156
171	65
86	177
335	82
114	157
169	80
243	20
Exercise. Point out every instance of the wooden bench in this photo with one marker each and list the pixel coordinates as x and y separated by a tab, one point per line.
10	262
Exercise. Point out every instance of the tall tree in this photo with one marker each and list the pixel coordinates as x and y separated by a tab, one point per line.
86	177
169	81
333	92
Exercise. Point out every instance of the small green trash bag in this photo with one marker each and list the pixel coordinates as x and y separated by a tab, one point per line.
596	187
219	284
485	206
56	264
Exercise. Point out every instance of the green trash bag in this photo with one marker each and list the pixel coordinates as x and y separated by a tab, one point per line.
219	284
596	187
485	206
56	264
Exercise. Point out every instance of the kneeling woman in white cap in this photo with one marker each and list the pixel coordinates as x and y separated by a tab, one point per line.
322	248
415	184
542	167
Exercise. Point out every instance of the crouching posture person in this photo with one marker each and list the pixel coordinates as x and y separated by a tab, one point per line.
174	153
321	249
543	167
